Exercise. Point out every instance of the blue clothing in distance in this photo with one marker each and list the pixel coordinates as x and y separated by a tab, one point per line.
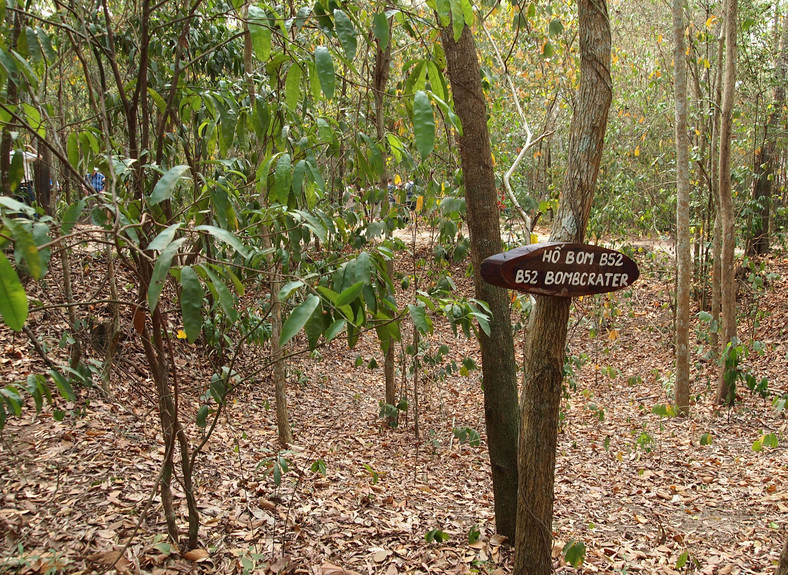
96	180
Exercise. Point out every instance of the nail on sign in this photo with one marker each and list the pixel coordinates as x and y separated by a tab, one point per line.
561	269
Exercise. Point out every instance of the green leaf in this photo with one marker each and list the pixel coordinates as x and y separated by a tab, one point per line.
325	71
191	303
682	560
25	247
349	294
334	329
706	439
293	86
63	386
556	27
283	178
72	149
202	416
13	299
346	33
287	290
260	33
227	237
160	271
548	50
71	216
319	466
164	187
457	18
418	313
164	238
381	30
298	318
575	553
423	124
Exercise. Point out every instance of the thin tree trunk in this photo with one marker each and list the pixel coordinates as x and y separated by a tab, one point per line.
725	392
716	267
765	158
499	369
285	435
782	568
683	250
547	334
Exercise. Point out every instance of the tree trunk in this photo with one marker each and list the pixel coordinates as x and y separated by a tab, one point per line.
725	392
683	251
758	243
716	273
547	334
499	370
782	568
381	76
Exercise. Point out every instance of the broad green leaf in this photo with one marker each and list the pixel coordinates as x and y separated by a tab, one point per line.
202	416
548	50
575	553
164	187
283	178
314	327
62	384
314	225
191	303
422	322
46	44
293	86
423	124
71	216
556	27
298	318
334	329
13	299
25	247
435	79
443	8
72	149
325	71
160	270
288	289
682	560
346	33
164	238
12	399
221	293
457	18
350	294
260	33
381	30
226	236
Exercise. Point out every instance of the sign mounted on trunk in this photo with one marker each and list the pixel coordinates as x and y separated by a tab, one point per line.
561	269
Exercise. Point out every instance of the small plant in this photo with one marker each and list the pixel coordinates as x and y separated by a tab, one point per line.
706	439
474	534
318	466
391	412
467	435
373	475
574	553
766	440
436	536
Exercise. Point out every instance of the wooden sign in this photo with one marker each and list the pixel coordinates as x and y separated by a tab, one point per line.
561	269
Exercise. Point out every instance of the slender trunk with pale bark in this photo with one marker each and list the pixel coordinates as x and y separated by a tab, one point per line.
725	392
547	335
683	252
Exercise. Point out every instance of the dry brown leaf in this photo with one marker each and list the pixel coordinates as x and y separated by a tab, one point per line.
196	555
498	539
331	569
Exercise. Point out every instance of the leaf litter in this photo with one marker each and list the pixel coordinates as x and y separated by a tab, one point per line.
640	490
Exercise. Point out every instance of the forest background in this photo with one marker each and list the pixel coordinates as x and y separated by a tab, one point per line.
284	196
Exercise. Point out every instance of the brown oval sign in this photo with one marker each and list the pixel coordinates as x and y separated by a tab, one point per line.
561	269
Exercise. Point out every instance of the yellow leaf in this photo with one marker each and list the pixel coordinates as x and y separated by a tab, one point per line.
419	203
613	335
659	39
181	334
710	21
637	151
697	132
397	180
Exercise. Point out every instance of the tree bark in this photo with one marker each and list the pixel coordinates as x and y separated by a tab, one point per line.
782	568
499	370
725	392
547	335
766	156
683	251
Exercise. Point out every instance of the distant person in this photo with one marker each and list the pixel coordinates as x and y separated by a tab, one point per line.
96	180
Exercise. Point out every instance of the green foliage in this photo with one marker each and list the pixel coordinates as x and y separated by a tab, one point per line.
467	435
436	536
574	553
766	440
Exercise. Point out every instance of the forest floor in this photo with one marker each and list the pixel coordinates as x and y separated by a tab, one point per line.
643	492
